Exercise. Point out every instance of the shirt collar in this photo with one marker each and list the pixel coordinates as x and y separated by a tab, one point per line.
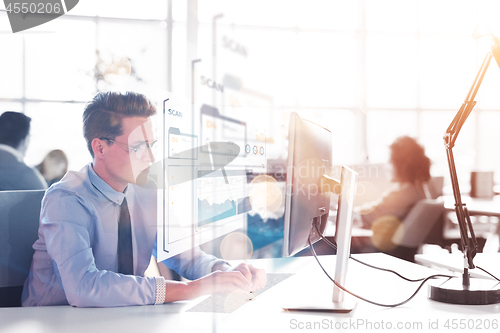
104	188
17	154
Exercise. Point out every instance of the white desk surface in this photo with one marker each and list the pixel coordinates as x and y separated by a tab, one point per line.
476	206
455	262
264	314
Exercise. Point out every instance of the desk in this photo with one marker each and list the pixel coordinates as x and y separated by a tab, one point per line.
265	314
477	207
455	263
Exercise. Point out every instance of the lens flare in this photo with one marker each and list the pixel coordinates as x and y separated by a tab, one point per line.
383	229
266	196
236	246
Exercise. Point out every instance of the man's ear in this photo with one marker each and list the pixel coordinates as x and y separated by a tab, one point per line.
98	147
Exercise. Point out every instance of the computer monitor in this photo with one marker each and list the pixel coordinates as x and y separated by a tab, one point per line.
307	204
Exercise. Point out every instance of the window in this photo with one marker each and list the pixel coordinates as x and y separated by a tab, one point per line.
60	61
57	126
392	71
372	70
384	127
50	72
327	71
11	65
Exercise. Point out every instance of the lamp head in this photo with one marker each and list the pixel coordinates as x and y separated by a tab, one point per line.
495	49
483	30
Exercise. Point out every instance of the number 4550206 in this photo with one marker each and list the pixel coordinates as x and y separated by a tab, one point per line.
476	324
34	8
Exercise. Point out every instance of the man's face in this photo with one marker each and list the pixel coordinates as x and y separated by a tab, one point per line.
125	165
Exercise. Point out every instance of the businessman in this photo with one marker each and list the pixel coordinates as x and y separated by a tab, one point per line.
14	141
98	226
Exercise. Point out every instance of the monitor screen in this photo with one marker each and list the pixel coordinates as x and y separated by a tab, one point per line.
309	158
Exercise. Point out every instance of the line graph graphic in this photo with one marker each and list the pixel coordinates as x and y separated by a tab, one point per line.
218	200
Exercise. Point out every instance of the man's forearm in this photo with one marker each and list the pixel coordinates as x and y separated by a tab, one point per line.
180	291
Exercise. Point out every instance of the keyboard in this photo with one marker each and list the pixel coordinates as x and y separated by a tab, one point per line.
219	303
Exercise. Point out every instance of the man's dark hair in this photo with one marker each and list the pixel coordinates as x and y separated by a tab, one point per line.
14	128
409	161
103	115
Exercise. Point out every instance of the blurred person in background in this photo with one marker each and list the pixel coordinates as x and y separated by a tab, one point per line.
14	141
411	175
54	166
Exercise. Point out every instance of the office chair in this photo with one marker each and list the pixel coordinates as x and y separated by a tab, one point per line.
19	219
415	230
435	186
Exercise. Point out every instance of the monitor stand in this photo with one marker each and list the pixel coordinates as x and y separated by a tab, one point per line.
341	302
324	305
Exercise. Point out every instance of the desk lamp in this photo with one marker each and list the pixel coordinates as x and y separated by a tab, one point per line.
470	291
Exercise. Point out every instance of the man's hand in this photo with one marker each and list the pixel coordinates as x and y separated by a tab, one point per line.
223	282
216	282
257	277
243	278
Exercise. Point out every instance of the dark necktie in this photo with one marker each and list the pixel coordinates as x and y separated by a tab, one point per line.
125	254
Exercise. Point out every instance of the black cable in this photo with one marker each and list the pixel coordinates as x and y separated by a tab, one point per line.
334	246
364	299
488	273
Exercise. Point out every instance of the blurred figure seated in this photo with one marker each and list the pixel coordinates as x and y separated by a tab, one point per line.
14	141
411	172
54	166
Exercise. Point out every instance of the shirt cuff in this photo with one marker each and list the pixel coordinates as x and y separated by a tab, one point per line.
215	262
160	290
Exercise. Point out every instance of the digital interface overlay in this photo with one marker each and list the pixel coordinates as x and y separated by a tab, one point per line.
207	160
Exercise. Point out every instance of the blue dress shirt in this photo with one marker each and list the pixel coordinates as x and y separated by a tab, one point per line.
76	261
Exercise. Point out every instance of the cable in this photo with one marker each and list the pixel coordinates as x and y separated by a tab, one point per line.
334	246
488	273
371	266
364	299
